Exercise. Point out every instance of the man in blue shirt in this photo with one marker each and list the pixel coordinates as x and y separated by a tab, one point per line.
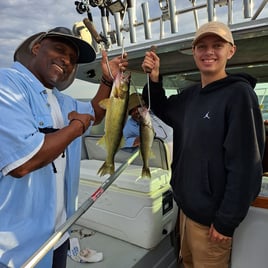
131	131
41	131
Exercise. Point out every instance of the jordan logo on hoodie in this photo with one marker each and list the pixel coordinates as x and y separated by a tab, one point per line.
206	116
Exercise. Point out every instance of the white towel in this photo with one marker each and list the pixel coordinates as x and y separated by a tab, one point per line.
85	255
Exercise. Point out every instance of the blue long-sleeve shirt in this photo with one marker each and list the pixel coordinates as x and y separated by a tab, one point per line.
130	132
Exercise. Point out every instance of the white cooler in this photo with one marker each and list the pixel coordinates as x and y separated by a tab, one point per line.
139	211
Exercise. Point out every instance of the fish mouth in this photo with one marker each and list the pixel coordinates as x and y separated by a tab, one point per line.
125	77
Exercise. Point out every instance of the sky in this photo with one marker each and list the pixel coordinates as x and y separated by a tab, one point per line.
23	18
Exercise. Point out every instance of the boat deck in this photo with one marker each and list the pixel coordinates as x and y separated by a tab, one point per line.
120	254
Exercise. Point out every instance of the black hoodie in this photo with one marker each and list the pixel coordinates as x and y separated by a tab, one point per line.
218	139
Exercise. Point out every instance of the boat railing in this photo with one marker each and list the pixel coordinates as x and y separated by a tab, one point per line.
170	11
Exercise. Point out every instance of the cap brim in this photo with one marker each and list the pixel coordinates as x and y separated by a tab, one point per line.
207	34
87	53
23	53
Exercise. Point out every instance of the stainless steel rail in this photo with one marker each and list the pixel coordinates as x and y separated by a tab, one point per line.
171	13
43	250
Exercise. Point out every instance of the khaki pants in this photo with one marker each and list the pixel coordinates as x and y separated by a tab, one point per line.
197	251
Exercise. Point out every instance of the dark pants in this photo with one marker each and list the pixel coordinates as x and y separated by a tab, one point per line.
60	255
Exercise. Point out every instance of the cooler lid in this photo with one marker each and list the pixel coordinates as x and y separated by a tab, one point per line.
129	179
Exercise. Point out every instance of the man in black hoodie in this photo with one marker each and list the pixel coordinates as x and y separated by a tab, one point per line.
218	136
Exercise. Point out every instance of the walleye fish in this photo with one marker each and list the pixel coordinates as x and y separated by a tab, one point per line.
116	114
146	140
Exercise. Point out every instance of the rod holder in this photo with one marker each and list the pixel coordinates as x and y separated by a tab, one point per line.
132	29
146	23
117	20
173	17
247	9
211	10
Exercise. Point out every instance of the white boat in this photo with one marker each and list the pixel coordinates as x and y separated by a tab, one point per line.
134	222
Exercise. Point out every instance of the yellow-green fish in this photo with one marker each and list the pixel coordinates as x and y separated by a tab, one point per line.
116	114
146	140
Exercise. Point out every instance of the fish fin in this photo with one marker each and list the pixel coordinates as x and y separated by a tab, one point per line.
146	173
152	155
122	143
106	169
101	142
104	103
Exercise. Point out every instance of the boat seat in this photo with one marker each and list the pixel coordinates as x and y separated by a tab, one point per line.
160	153
250	245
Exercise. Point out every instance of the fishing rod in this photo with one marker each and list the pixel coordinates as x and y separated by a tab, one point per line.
44	249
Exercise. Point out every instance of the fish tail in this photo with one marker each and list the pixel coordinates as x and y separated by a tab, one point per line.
106	169
146	172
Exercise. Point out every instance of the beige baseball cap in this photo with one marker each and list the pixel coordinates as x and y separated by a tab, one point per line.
135	100
214	27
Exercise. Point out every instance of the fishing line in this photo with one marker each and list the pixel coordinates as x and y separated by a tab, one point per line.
123	48
138	94
102	47
148	71
123	37
149	92
108	67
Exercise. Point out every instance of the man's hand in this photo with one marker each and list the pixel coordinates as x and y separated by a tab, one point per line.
136	142
82	120
116	65
151	62
215	236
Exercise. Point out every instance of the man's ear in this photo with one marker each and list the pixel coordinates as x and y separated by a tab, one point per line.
193	51
231	52
35	48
